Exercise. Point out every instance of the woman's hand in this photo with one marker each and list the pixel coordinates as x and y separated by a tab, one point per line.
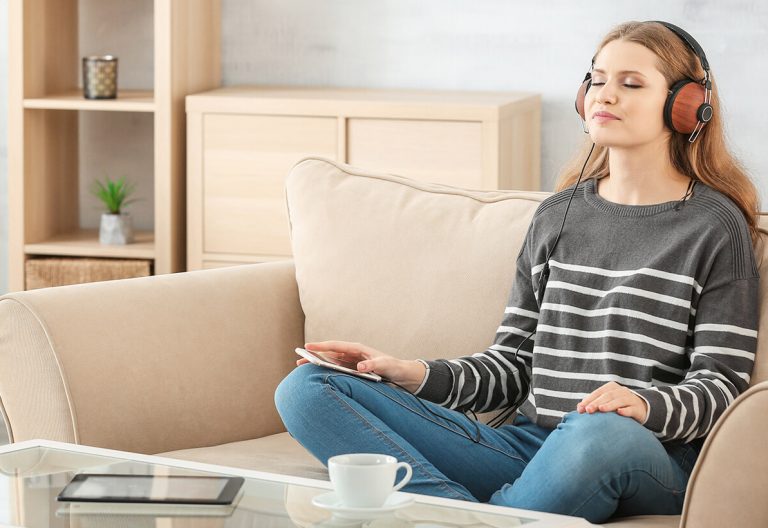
614	397
363	358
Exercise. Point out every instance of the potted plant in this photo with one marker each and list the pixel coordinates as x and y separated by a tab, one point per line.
116	226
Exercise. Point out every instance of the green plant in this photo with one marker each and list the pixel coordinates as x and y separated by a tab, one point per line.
113	194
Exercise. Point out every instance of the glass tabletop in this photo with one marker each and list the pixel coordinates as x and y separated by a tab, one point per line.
31	478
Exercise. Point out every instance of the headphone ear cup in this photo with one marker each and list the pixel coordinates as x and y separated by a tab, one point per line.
681	110
581	94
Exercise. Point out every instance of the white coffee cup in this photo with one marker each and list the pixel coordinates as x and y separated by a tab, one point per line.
365	480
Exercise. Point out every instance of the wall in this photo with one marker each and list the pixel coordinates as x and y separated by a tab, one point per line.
494	45
447	44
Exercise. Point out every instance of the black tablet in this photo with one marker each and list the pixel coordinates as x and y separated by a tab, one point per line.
152	489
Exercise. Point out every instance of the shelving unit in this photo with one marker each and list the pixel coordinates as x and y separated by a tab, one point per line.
45	111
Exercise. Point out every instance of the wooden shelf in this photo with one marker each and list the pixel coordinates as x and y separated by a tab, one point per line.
85	243
127	101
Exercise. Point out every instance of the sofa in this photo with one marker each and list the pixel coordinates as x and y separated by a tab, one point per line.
186	365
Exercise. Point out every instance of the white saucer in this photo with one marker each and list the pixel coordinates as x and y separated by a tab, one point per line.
329	501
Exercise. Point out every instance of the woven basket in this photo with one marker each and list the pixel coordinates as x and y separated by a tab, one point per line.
45	272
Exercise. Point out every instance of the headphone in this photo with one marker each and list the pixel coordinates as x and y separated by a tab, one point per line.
687	108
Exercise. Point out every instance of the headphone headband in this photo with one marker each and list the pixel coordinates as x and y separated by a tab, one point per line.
689	40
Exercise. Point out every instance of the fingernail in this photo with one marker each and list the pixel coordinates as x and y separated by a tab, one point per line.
362	366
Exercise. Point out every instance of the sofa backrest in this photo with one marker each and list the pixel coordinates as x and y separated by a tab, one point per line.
417	270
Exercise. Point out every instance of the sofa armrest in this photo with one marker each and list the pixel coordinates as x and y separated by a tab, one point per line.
152	364
729	485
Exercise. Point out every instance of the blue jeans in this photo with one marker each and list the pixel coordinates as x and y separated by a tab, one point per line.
594	466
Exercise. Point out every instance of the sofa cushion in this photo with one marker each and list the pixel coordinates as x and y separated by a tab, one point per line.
278	453
410	268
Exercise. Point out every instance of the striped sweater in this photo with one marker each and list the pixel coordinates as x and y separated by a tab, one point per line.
658	298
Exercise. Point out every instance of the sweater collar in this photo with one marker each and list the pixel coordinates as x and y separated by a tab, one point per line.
601	204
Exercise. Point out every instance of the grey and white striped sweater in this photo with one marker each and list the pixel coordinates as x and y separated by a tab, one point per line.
662	300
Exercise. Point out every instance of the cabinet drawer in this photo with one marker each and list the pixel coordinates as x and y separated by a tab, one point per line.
449	152
246	160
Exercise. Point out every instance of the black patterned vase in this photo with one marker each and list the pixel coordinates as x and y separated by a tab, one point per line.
100	77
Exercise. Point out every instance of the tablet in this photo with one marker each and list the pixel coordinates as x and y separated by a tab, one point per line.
317	358
152	489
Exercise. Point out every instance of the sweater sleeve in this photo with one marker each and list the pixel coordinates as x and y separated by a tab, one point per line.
721	358
489	380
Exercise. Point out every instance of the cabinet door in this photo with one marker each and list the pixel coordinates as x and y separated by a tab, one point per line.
246	160
449	152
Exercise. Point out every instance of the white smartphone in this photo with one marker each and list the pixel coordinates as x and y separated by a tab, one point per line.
316	358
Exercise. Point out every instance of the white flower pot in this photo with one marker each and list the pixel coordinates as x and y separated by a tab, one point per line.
116	229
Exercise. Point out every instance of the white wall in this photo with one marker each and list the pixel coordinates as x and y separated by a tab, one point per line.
493	45
473	45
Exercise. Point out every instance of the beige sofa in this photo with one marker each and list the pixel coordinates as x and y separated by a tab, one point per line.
187	364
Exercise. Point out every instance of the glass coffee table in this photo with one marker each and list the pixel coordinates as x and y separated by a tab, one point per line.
32	474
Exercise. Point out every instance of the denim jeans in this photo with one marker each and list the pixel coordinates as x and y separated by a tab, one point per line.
594	466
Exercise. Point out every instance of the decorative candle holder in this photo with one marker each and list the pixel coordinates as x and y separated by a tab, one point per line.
100	77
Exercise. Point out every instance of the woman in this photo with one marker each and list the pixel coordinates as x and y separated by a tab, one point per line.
645	330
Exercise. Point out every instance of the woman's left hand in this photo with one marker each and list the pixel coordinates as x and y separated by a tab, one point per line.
614	397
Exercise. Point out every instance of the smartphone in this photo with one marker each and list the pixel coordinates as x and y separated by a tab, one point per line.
316	358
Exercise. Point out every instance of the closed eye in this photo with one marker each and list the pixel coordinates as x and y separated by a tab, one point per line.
625	85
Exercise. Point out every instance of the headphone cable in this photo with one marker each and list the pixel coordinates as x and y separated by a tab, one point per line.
544	277
525	388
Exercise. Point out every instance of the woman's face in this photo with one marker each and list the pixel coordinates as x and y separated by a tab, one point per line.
625	104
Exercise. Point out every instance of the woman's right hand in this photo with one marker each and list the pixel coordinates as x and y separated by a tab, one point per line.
363	358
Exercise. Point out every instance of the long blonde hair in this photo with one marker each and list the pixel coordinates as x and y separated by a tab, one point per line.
708	158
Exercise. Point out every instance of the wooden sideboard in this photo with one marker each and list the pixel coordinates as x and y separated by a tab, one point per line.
242	141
